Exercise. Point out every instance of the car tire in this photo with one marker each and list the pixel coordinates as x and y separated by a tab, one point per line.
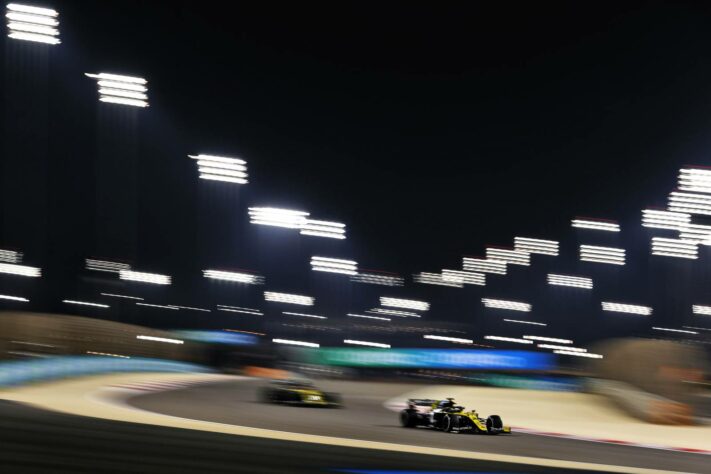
494	425
448	423
408	419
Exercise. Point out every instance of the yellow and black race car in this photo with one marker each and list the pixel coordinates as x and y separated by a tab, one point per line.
298	392
446	415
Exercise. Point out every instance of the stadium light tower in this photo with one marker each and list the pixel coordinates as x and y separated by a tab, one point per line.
123	90
30	23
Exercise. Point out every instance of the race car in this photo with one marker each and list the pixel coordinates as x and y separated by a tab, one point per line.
298	392
445	415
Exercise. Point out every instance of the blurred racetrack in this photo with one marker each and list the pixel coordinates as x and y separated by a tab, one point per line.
365	418
38	441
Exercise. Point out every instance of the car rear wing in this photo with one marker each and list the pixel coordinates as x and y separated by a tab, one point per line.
421	402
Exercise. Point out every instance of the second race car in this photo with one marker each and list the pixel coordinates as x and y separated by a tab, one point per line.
298	392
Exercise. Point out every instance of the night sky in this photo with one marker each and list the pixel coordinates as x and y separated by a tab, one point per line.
431	130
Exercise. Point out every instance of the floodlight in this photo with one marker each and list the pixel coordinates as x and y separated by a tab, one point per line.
595	224
512	257
331	230
608	255
20	270
482	265
656	219
153	278
334	265
626	308
403	303
105	265
288	298
122	90
675	248
571	281
700	309
10	256
695	180
505	304
221	168
427	278
30	23
538	246
277	217
468	278
378	279
237	277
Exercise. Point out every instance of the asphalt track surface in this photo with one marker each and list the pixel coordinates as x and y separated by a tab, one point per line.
364	417
38	441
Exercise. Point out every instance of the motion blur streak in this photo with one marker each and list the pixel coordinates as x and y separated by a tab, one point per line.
153	278
365	316
288	298
505	304
562	348
548	339
626	308
366	343
328	229
305	315
237	309
393	312
517	321
403	303
86	303
276	217
160	306
674	330
108	355
596	225
695	180
113	295
589	355
160	339
378	279
14	298
20	270
508	339
458	340
237	277
295	343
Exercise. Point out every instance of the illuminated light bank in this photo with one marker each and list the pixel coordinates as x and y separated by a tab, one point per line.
288	298
105	265
20	270
14	298
701	309
393	312
121	90
30	23
482	265
236	277
506	304
657	219
695	180
334	265
378	279
674	248
143	277
594	224
468	278
626	308
570	281
404	303
509	256
221	168
427	278
597	254
10	256
537	246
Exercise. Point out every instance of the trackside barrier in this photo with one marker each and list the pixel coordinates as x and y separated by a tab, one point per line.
53	368
644	405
